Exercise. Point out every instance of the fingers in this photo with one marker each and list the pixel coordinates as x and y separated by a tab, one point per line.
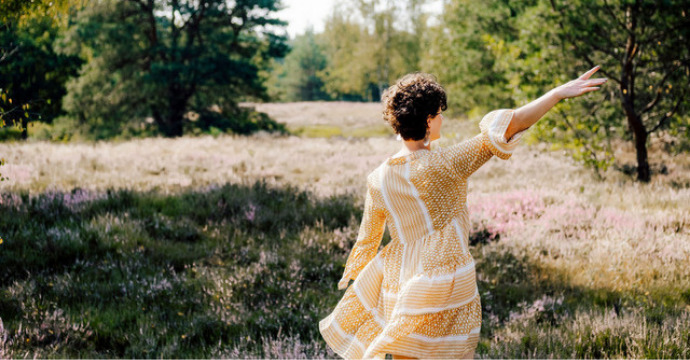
596	81
589	73
589	89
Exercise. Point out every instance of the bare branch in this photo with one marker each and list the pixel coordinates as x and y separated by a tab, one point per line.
192	25
633	51
6	55
141	3
13	109
653	103
668	114
195	17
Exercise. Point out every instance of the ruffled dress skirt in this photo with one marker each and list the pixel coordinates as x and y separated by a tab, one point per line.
417	300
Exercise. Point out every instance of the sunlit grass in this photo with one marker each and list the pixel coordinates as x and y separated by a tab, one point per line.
312	131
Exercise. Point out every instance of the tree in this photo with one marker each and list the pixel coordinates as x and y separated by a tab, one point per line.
503	53
522	39
348	68
32	74
473	51
371	43
162	58
300	76
641	45
395	38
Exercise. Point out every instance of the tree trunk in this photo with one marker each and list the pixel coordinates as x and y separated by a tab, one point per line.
643	173
171	122
640	138
175	125
635	124
25	128
178	106
170	125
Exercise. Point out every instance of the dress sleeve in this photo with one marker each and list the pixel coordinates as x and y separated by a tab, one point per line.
368	241
468	156
494	126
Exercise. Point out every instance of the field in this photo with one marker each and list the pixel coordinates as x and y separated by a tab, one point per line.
231	246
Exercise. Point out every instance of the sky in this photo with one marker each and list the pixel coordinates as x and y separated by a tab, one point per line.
300	14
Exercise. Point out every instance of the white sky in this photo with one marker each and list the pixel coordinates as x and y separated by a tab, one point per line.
300	14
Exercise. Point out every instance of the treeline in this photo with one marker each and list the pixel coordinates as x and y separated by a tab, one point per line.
504	53
106	68
364	47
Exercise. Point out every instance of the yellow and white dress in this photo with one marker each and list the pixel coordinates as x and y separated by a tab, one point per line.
418	296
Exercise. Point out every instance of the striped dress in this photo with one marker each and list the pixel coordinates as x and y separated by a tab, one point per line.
418	296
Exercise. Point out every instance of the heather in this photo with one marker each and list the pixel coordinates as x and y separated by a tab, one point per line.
231	246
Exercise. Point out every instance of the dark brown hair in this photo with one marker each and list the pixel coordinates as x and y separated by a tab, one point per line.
408	104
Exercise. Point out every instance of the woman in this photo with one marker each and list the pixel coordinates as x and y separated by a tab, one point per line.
418	297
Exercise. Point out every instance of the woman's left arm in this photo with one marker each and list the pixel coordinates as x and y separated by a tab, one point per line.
368	241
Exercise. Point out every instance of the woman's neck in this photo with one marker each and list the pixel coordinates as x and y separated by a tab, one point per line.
414	145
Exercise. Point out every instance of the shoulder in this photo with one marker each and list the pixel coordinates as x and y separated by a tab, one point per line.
443	155
442	161
375	175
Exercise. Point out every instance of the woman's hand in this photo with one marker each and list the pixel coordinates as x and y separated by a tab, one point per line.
579	86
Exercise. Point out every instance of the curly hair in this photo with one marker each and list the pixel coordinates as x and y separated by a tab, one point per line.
408	104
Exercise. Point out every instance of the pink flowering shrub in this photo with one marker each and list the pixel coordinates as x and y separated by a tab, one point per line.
504	212
567	218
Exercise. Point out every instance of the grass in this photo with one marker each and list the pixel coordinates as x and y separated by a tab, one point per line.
329	131
231	247
325	131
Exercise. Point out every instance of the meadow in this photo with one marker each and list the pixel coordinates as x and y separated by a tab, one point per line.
231	246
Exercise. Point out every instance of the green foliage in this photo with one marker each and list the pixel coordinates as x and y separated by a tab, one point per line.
62	129
233	120
473	52
11	9
32	75
154	59
641	47
507	53
300	75
679	132
2	162
20	11
370	44
10	133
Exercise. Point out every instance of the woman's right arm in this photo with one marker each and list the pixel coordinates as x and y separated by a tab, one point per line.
529	114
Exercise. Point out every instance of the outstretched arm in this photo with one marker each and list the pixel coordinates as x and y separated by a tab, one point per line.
529	114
